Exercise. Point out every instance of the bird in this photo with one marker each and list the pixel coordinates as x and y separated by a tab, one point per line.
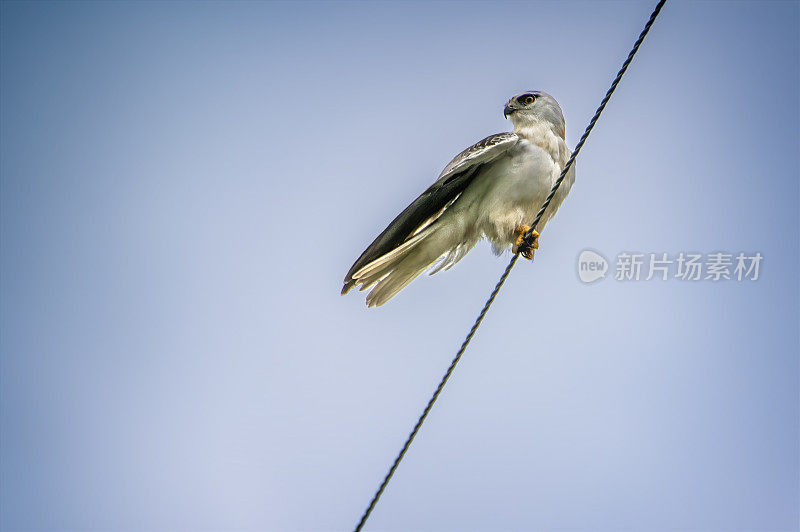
490	190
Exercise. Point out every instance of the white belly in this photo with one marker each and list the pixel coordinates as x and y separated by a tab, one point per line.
512	194
506	197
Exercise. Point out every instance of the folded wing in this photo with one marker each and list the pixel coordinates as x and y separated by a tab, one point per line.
386	261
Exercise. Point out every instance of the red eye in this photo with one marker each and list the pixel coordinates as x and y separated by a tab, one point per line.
529	100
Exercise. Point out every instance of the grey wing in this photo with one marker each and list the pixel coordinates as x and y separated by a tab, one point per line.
432	203
486	150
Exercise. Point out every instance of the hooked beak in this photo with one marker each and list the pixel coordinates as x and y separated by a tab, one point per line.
507	111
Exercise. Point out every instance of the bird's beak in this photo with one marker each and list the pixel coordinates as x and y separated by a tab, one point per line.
507	111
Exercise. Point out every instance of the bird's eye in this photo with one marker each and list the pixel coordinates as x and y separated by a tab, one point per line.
526	99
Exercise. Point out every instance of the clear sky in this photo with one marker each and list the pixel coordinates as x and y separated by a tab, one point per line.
184	185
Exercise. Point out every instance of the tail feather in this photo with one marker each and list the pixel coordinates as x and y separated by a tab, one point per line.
390	286
453	256
393	271
367	282
372	272
397	253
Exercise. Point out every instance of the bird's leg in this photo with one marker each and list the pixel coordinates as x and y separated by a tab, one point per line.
525	247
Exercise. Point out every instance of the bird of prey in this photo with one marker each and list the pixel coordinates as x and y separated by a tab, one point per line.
490	190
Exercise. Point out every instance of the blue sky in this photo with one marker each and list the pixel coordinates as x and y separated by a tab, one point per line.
184	185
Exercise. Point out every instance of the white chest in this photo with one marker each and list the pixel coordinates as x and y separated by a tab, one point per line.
514	192
523	178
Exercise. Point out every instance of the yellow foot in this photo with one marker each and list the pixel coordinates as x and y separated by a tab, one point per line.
523	247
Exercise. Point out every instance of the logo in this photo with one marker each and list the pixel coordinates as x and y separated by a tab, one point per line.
591	266
684	266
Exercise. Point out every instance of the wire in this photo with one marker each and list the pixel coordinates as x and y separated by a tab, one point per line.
510	266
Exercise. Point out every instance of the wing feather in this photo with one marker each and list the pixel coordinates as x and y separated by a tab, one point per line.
431	204
480	152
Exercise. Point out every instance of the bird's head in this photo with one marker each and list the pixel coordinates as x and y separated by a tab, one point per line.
535	108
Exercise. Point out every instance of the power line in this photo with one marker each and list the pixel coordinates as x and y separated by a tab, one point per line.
510	266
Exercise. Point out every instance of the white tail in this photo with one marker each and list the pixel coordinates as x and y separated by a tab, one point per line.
391	272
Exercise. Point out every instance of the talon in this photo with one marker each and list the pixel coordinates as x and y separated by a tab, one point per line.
522	246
